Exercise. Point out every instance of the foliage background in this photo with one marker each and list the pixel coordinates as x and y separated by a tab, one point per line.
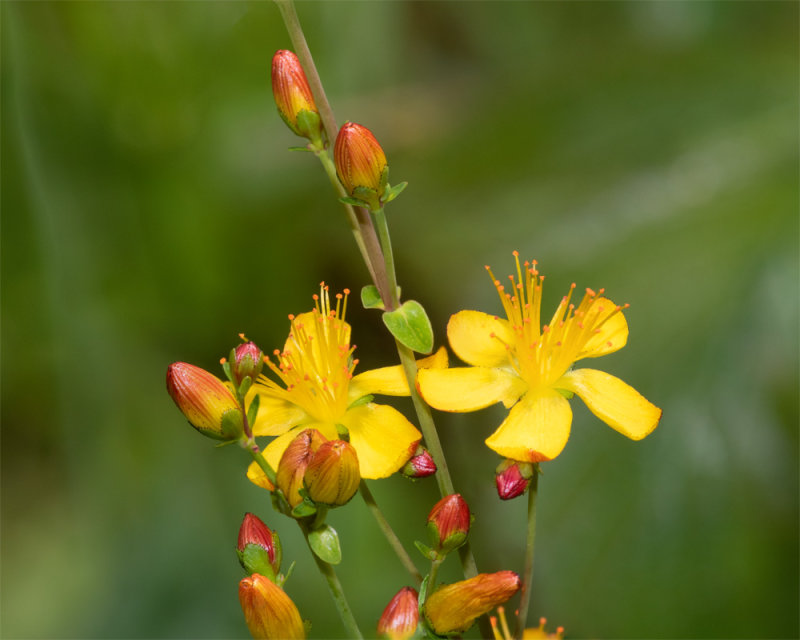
151	212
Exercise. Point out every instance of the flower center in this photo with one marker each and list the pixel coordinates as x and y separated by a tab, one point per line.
316	364
540	356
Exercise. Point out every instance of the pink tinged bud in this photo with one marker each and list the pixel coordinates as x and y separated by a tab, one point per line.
420	465
448	523
401	616
268	611
293	96
360	163
453	608
512	478
247	361
293	464
332	475
205	401
259	548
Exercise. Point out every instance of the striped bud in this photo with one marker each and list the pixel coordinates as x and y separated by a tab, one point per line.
401	616
293	464
268	611
332	475
293	97
361	164
448	523
258	548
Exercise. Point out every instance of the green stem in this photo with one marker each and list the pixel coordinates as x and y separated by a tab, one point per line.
435	564
371	251
387	530
388	259
527	577
335	587
261	461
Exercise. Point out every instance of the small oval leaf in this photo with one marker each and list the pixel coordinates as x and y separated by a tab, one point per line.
324	542
411	326
370	298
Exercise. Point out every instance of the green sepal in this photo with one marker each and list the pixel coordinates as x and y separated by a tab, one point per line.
299	149
424	625
231	427
362	400
324	542
309	124
342	431
392	192
280	503
567	394
354	201
368	196
282	578
252	410
305	508
370	298
426	551
411	326
245	386
384	181
226	367
255	559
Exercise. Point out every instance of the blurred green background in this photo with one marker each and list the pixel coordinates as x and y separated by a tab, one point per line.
151	211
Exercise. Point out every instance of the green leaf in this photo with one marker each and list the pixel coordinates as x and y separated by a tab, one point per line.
324	542
370	298
411	326
425	550
354	201
304	509
245	386
299	149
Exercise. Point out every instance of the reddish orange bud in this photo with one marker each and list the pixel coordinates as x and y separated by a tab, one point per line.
258	548
512	478
246	362
361	164
448	523
205	401
332	475
420	465
453	608
401	616
293	97
268	611
293	464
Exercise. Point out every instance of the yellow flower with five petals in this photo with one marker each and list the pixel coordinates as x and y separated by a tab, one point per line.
528	367
317	390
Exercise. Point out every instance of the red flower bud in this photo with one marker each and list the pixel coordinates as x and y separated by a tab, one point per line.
259	548
420	465
268	611
512	478
247	360
293	464
401	616
360	164
207	403
293	97
448	523
453	608
332	475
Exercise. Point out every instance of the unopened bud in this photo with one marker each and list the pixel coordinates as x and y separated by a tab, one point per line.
247	360
453	608
207	403
293	464
361	164
401	616
293	97
420	465
259	548
332	475
512	478
268	611
448	523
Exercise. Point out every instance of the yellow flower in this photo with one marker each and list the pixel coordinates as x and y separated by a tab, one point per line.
527	367
318	390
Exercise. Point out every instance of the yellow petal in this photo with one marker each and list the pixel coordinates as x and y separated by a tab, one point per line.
275	415
391	381
256	475
613	333
536	429
275	449
382	437
469	388
470	334
617	404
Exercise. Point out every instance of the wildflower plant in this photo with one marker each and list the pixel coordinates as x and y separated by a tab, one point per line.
315	432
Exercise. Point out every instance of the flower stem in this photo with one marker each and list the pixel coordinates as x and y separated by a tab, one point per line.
335	587
261	461
387	530
527	577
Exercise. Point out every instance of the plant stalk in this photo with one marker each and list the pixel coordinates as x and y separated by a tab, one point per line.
527	578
